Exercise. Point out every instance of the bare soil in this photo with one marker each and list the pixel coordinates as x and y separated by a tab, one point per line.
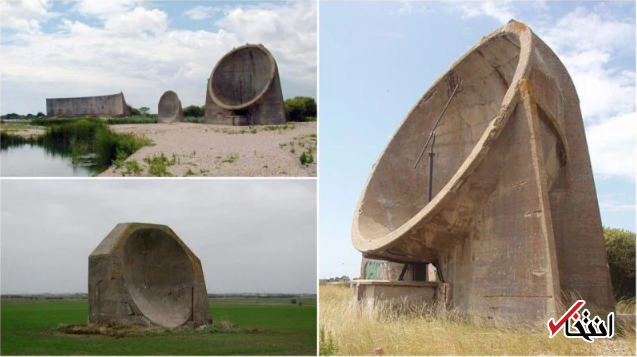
218	150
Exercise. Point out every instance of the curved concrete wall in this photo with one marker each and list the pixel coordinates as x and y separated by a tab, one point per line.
106	105
169	108
514	218
244	89
143	274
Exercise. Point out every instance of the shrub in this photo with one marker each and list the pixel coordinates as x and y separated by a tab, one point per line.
620	247
94	136
306	157
300	108
158	165
193	111
40	115
133	111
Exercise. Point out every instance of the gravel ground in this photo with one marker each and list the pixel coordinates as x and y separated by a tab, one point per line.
22	129
29	132
218	150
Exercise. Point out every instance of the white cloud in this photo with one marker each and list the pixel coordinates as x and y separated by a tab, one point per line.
134	49
603	87
591	44
288	31
104	9
137	21
611	145
583	30
202	12
614	206
502	12
25	16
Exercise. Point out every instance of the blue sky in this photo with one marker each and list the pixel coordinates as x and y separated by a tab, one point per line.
94	47
377	59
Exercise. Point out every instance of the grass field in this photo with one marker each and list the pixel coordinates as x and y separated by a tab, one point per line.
29	328
346	330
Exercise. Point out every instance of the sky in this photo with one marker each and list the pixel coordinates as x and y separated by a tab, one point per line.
378	59
256	235
51	49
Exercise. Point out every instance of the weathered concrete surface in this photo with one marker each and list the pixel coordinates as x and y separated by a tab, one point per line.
402	295
106	105
514	220
143	274
169	109
244	89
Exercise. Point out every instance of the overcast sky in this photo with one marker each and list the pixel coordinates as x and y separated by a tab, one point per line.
55	49
250	235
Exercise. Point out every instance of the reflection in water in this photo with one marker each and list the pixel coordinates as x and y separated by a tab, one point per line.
36	160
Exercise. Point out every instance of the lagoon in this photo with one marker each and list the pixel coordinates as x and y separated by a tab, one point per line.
31	160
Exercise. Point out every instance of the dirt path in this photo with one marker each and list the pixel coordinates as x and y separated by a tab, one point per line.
216	150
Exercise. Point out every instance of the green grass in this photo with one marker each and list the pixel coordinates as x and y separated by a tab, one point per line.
138	119
8	139
197	120
158	165
93	136
33	328
133	120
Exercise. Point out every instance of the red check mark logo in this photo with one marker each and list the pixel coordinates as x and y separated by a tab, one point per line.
554	328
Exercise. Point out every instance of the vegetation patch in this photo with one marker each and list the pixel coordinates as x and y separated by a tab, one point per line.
620	247
113	331
230	158
197	120
42	327
306	157
255	129
9	139
158	165
300	109
132	168
349	329
90	141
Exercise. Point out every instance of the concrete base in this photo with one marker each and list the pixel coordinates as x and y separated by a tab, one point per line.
399	294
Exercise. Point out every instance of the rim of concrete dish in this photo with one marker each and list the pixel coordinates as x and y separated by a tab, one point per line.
136	226
510	100
273	70
171	92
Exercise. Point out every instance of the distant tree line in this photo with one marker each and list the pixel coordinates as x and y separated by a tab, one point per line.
17	116
142	111
297	109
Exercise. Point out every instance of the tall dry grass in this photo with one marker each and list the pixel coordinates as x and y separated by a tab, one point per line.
347	329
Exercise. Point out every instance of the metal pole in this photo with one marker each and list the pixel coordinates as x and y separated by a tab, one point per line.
192	303
402	273
436	125
431	169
